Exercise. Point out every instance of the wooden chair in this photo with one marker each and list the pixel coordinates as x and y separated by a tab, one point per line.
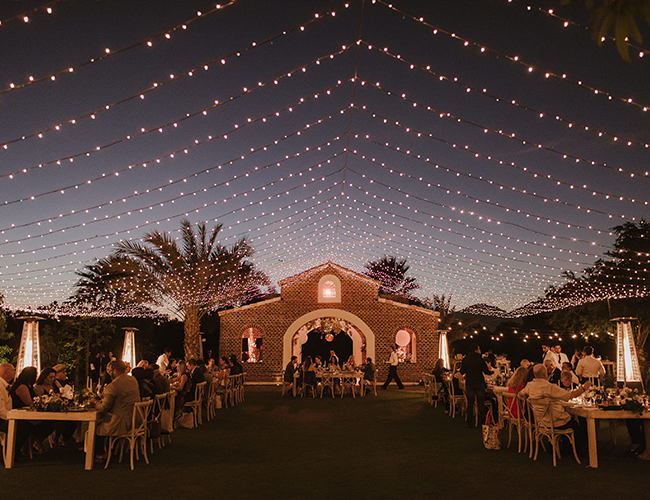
327	380
155	418
136	437
213	397
426	378
3	443
349	383
455	400
223	391
195	405
506	401
369	385
544	427
168	417
286	386
435	391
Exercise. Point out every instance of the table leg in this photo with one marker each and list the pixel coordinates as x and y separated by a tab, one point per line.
90	445
11	444
593	443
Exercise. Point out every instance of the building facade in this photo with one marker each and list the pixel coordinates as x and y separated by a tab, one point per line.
329	308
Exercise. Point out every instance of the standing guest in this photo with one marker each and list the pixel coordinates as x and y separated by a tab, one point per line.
163	359
392	370
561	357
7	373
45	382
61	377
290	369
235	365
541	389
334	360
589	366
474	367
549	355
117	403
160	382
516	383
577	356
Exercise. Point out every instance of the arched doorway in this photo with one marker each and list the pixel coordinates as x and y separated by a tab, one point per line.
329	321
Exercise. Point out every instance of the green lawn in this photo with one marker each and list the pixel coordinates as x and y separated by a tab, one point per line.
391	446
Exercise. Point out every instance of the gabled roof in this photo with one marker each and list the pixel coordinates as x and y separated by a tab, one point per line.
309	272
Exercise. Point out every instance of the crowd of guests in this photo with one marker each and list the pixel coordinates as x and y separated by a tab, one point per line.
119	387
555	379
308	370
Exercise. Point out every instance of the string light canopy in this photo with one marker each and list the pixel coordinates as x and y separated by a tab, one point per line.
326	134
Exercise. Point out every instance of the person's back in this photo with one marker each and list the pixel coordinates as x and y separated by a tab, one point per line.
118	402
589	366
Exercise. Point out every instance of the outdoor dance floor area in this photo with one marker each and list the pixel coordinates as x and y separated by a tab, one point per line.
391	446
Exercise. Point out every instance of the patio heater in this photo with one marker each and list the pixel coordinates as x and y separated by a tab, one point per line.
627	362
443	350
29	353
128	351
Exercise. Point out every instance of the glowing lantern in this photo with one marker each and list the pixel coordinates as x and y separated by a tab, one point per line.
443	350
627	362
128	351
29	353
403	338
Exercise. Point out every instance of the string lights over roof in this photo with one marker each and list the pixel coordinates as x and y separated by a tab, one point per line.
317	149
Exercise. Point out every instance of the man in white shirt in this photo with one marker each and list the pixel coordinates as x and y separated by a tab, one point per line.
561	357
549	355
163	360
589	366
7	373
541	389
392	370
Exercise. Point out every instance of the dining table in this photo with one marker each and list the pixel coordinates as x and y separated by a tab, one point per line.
75	415
594	413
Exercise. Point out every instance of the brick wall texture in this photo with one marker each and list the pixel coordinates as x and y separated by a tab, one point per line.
359	296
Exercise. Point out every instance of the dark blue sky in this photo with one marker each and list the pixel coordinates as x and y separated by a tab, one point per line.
312	166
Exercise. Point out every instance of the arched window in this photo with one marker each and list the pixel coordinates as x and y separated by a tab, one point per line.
251	345
405	340
329	289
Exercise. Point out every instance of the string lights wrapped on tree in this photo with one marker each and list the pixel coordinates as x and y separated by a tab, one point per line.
193	277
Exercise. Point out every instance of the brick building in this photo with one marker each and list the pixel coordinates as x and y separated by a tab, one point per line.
328	308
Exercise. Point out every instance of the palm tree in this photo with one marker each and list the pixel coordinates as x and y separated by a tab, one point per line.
193	276
391	273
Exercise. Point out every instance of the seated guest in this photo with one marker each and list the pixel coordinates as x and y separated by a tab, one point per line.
553	372
142	364
223	372
566	367
290	369
334	360
183	385
566	380
117	403
589	367
541	389
308	372
7	373
439	369
235	366
160	382
212	366
22	396
171	368
145	387
61	378
525	363
318	363
196	377
45	382
516	383
369	370
350	365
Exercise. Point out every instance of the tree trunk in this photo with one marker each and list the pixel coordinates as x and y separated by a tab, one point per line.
192	329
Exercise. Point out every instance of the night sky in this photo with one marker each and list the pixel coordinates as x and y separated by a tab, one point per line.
448	135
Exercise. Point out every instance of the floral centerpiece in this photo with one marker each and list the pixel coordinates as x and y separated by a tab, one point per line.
83	396
49	402
631	400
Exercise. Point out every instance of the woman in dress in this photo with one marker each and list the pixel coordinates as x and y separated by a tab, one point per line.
516	383
22	395
45	382
350	365
183	384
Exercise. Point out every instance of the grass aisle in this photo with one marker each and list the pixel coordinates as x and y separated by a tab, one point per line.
391	446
